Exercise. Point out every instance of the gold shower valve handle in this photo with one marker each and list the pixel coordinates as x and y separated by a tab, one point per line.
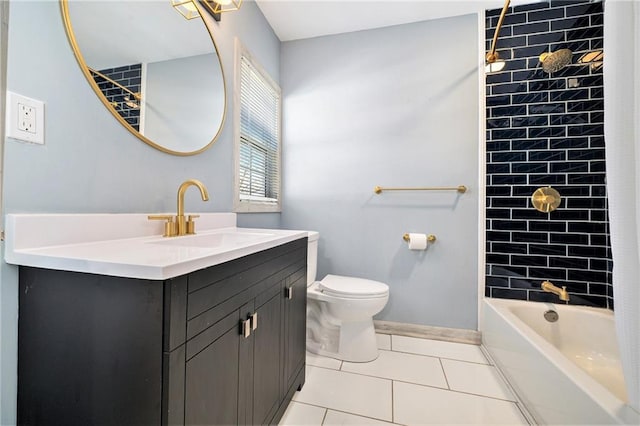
546	199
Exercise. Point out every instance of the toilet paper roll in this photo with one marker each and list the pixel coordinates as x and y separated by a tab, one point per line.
417	241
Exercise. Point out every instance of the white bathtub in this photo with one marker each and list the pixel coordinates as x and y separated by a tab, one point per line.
566	372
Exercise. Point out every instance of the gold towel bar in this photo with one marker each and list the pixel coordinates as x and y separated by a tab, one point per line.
461	189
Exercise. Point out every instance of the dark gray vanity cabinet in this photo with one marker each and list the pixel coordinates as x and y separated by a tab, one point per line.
223	345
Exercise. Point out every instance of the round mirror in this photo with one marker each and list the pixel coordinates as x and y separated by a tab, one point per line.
157	72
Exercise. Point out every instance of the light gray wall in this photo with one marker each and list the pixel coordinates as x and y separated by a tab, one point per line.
186	116
89	162
395	106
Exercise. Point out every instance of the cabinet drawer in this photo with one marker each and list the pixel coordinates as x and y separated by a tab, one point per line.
206	277
208	318
197	301
243	277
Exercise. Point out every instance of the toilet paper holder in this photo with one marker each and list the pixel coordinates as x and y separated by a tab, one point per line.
430	238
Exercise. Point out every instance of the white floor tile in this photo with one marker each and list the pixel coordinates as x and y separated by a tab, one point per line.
413	405
459	351
411	368
384	341
302	414
353	393
476	378
323	361
337	418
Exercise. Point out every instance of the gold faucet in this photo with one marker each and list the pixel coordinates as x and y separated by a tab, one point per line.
562	293
188	226
179	225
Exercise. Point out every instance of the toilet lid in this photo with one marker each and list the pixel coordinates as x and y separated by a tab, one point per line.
352	287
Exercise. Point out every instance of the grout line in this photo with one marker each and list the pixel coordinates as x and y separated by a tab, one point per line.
348	412
314	405
528	418
444	373
425	385
443	357
320	366
355	374
326	411
495	398
359	415
393	380
310	404
397	380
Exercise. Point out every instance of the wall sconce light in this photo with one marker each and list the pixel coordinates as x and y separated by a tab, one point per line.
220	6
493	62
189	10
215	8
186	8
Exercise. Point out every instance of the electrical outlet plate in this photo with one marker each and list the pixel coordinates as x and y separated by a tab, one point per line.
25	118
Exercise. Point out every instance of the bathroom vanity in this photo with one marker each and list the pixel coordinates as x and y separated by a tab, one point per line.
219	344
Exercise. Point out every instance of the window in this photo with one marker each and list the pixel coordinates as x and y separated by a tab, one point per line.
257	140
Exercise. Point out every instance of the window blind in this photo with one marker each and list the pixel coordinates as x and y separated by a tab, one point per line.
259	162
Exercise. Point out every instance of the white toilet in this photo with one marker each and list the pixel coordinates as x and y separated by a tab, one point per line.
340	312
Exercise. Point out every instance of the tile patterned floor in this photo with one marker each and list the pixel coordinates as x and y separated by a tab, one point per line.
413	382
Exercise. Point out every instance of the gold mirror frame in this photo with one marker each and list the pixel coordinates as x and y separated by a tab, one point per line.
87	73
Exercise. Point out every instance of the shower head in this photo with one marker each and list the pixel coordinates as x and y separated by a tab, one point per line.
555	61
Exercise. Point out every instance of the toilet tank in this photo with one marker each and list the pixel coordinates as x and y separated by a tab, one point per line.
312	256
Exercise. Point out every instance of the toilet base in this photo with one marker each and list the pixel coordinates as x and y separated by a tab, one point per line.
351	341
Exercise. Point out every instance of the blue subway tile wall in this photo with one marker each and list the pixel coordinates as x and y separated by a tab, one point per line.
547	130
130	76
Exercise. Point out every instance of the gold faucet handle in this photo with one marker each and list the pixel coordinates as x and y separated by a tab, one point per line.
169	226
191	224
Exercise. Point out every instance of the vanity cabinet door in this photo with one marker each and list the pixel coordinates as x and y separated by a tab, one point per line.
266	356
295	326
89	349
213	374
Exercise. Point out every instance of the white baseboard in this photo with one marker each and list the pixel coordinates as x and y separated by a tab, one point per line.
456	335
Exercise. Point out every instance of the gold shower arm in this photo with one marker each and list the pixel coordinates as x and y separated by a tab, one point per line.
136	96
492	56
461	189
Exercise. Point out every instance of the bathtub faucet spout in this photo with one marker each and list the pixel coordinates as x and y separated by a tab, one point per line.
562	293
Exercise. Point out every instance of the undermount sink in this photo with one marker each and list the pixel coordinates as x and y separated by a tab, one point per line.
215	240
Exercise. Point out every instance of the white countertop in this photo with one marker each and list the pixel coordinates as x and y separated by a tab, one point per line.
129	245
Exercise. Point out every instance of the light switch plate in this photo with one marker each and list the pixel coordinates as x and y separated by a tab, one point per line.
25	118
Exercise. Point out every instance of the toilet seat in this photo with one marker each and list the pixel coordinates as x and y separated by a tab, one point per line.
353	288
